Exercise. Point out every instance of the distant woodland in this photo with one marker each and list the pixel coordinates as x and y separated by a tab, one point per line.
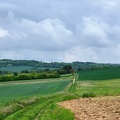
11	70
37	64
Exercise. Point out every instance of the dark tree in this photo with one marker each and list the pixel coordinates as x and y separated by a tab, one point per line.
67	68
15	73
24	71
0	72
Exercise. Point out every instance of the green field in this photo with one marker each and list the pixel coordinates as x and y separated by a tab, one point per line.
15	68
13	90
101	82
101	74
98	88
43	68
20	68
25	100
37	99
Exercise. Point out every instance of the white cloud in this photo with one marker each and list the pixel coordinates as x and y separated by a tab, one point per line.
97	41
93	33
3	33
45	35
79	53
84	30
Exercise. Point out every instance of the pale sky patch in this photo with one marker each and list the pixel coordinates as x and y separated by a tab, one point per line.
3	33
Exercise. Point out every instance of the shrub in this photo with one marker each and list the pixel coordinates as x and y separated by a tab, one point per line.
88	95
23	77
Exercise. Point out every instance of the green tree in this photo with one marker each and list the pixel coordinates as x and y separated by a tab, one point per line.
15	73
67	68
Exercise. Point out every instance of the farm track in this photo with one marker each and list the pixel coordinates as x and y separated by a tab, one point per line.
54	100
33	111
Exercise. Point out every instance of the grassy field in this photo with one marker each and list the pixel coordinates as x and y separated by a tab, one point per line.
98	88
39	98
101	82
37	108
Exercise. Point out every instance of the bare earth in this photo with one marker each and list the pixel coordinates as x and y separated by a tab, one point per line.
104	108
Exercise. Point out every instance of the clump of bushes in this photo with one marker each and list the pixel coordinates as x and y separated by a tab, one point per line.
29	76
88	95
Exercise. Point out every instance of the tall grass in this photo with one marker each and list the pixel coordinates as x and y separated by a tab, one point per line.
73	87
54	112
41	108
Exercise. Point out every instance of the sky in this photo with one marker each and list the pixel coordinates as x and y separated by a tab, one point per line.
60	30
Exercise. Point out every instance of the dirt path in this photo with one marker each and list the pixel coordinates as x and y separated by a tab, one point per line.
104	108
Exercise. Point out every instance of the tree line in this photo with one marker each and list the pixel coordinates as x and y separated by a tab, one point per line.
42	74
76	65
29	76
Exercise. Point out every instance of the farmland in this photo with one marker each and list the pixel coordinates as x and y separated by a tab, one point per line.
103	108
15	68
13	90
36	99
104	82
21	68
101	74
30	99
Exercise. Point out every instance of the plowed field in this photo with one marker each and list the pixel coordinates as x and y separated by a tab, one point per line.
103	108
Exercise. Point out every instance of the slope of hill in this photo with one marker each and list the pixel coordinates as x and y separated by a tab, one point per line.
17	65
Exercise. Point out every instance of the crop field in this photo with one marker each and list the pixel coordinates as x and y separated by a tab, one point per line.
86	107
43	68
104	82
99	108
13	90
102	74
98	88
15	68
20	68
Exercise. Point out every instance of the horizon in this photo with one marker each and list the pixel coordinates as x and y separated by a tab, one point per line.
59	61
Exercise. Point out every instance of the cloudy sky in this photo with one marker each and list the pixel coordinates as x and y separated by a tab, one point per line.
60	30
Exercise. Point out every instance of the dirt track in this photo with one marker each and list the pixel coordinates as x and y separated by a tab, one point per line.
104	108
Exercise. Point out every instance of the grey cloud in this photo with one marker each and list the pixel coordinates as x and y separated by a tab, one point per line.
93	33
62	30
47	35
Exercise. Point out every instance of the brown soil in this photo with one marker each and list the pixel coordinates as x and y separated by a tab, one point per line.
104	108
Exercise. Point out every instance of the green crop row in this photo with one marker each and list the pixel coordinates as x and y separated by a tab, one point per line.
14	91
15	68
101	74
